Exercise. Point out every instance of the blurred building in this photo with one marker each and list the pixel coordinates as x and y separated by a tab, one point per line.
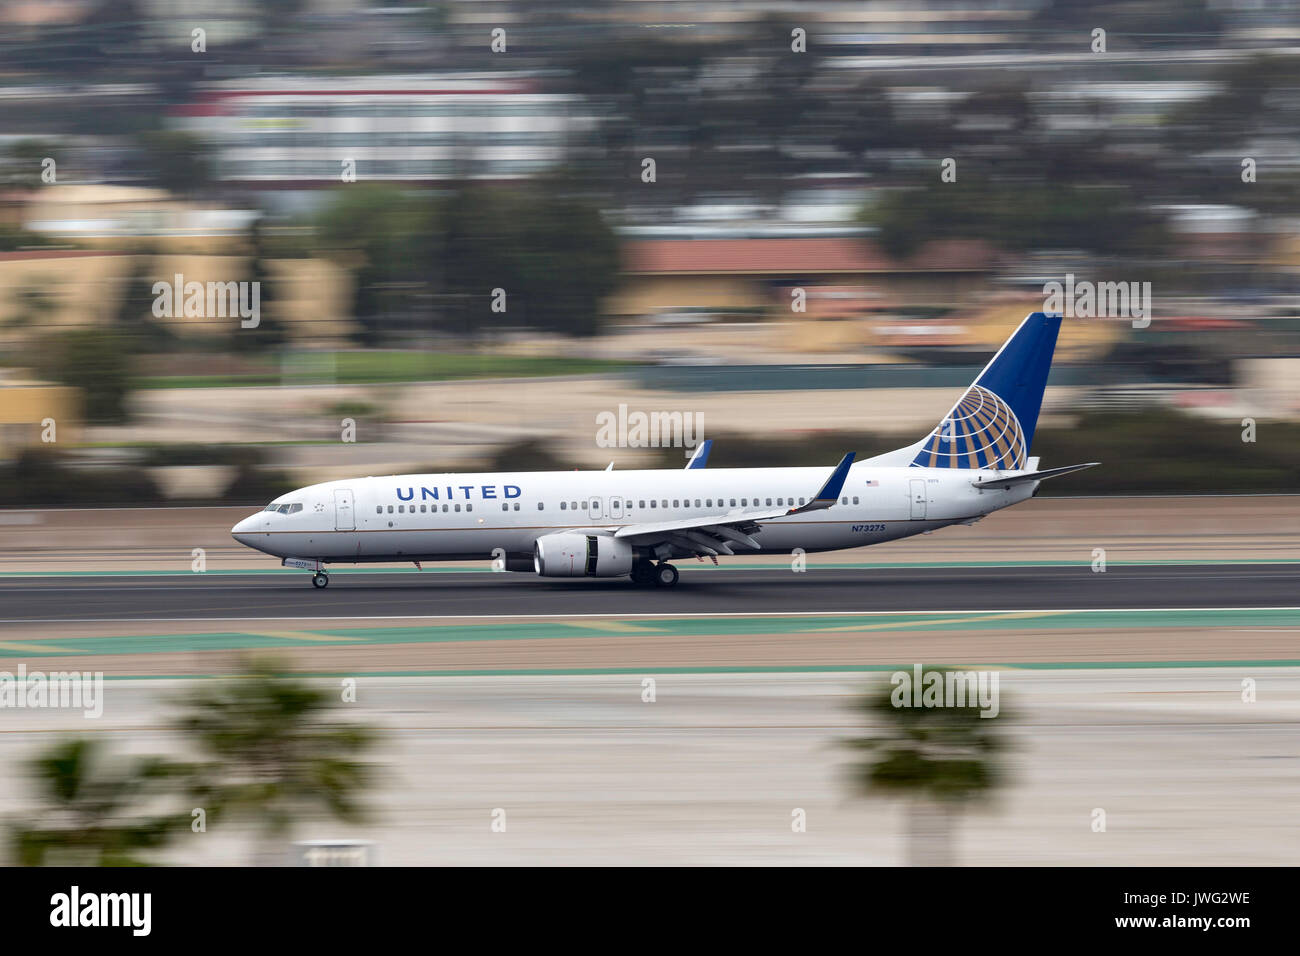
730	274
311	131
28	409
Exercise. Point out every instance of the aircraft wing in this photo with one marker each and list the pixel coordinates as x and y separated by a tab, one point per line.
714	534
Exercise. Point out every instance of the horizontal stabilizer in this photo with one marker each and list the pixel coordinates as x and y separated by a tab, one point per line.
1009	480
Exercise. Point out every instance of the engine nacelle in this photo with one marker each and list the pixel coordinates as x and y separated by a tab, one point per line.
572	554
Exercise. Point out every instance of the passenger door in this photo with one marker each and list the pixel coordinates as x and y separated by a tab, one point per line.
344	516
918	498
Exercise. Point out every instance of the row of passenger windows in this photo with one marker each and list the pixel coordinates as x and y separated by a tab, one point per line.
401	509
574	506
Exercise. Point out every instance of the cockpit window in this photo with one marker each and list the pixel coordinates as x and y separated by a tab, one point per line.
285	508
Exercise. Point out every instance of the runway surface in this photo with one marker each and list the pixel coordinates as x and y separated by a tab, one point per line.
587	771
701	591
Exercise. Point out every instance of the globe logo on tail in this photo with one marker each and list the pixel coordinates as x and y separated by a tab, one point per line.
981	432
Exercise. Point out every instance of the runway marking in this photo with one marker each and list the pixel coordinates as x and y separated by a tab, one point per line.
299	636
620	627
343	572
642	615
40	647
930	622
847	670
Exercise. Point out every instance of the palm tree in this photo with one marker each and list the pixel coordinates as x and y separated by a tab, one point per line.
940	759
90	809
270	754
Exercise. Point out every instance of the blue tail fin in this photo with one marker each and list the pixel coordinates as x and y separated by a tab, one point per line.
993	424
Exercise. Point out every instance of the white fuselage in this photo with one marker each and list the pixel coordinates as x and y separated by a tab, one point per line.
483	516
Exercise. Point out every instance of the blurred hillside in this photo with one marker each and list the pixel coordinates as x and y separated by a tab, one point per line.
467	227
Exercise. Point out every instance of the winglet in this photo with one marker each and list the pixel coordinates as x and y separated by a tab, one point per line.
830	491
701	456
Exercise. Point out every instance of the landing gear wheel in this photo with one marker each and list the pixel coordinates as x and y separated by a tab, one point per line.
320	579
643	572
665	575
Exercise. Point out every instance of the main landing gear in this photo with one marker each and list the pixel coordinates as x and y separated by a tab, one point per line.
320	579
662	575
665	575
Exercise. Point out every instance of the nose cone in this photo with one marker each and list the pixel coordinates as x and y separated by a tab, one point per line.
241	532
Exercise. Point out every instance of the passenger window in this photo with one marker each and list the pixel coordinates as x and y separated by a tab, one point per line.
573	505
390	509
584	506
652	502
444	509
540	506
744	502
697	502
379	509
469	507
855	499
665	503
733	502
677	503
769	502
564	505
708	502
505	506
640	504
458	507
516	506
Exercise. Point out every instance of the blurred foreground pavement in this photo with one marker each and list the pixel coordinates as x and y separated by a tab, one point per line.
710	773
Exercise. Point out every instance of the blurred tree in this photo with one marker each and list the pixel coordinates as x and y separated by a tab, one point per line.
134	320
92	813
1103	220
939	759
21	164
1152	23
96	361
41	477
547	248
382	234
14	238
176	161
270	753
271	331
30	307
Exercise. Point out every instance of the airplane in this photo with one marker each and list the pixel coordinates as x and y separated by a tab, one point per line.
606	524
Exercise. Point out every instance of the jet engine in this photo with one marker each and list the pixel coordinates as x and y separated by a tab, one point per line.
572	554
